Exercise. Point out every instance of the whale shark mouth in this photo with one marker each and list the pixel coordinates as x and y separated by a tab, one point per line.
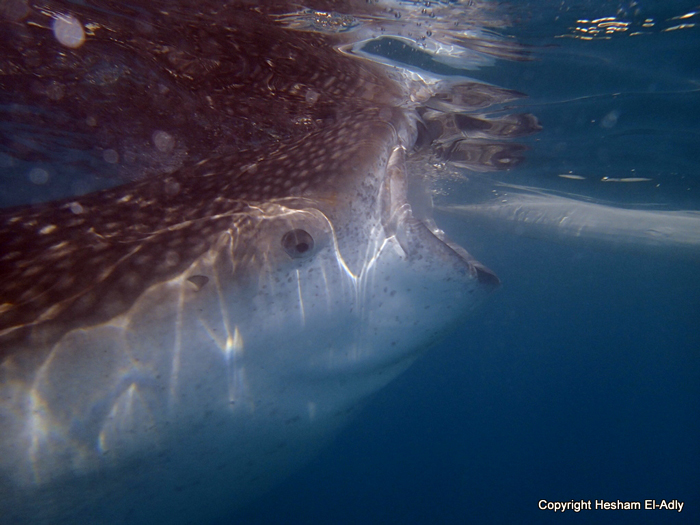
206	325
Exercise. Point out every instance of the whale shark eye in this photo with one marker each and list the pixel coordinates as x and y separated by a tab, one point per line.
298	243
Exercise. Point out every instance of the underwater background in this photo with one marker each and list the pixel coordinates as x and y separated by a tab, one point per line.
580	378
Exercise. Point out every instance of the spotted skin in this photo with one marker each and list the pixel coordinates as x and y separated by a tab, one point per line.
275	128
84	260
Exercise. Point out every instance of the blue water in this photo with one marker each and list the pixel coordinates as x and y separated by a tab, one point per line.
580	379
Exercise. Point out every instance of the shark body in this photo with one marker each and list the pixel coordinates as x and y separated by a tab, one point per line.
171	347
584	223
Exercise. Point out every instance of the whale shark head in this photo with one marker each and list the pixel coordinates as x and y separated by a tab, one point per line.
205	327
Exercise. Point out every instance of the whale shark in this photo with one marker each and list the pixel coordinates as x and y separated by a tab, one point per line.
577	221
246	268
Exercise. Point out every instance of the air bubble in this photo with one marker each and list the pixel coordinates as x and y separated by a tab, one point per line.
110	156
39	176
15	10
163	141
311	96
68	31
610	120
